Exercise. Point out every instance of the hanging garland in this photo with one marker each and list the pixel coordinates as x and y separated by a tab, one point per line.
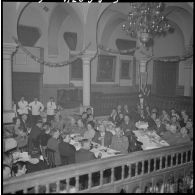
162	59
51	64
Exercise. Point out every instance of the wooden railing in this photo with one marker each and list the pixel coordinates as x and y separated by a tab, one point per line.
104	103
126	172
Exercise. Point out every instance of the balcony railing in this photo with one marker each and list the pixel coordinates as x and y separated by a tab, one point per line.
125	172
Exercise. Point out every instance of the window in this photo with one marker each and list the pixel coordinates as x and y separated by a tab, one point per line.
106	68
76	70
126	69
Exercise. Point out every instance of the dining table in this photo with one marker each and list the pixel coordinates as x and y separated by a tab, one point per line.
150	139
97	149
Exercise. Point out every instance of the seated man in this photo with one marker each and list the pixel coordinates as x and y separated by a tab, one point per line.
152	121
66	150
120	142
102	136
84	155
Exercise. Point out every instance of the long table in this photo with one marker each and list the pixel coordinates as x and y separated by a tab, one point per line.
96	148
150	139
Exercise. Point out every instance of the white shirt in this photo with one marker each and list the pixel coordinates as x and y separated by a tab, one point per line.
51	106
23	107
36	107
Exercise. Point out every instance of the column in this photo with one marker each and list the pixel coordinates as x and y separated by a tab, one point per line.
187	73
86	77
8	50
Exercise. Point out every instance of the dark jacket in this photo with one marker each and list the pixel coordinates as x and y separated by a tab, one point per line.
84	155
126	127
107	138
67	153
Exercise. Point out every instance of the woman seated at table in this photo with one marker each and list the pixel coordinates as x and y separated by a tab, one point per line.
90	132
119	141
53	144
184	118
58	123
79	128
120	119
84	118
175	123
126	109
152	121
102	136
113	116
164	117
89	112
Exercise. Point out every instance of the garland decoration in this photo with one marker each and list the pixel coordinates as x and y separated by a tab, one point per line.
51	64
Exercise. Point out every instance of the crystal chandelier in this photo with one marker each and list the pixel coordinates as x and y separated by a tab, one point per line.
145	20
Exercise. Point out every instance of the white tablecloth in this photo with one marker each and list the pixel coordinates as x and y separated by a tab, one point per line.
97	148
150	139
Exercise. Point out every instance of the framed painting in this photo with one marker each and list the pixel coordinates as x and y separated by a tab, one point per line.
106	68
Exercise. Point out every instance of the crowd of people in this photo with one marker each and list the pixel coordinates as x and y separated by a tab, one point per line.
35	132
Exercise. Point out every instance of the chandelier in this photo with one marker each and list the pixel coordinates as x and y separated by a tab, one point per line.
145	20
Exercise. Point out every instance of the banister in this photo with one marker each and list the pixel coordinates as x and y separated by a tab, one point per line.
74	170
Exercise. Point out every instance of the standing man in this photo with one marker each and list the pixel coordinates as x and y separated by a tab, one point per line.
36	108
22	107
51	106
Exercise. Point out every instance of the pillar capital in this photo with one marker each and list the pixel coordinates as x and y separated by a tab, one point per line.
9	48
88	55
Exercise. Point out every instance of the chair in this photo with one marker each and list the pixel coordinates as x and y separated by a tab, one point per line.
50	157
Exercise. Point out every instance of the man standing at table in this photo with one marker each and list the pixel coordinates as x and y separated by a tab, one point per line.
22	107
36	108
51	106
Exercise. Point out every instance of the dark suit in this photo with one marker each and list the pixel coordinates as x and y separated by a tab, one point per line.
67	153
107	138
84	155
23	125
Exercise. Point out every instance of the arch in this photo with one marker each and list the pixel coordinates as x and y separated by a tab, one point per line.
59	15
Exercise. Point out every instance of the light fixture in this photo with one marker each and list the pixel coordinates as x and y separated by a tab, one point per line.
146	20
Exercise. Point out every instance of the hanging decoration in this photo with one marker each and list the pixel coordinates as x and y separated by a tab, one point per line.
51	64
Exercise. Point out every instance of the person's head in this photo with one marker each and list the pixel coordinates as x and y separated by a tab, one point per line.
183	113
101	128
158	122
51	99
126	107
90	125
80	123
119	107
90	117
35	99
164	112
66	137
16	121
72	120
183	131
55	133
85	144
24	117
148	108
84	115
126	118
173	129
121	115
118	131
22	98
6	172
46	127
153	115
189	124
174	119
114	111
19	168
89	111
154	110
173	111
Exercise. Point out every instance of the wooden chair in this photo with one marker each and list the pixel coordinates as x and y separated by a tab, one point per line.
50	157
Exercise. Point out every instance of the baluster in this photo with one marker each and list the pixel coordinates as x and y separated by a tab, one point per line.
57	186
89	180
101	177
136	169
47	188
112	174
181	157
152	184
142	172
36	189
123	172
166	161
129	171
160	164
77	183
185	157
171	162
67	184
176	156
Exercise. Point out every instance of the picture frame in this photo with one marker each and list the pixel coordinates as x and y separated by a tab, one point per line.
106	68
